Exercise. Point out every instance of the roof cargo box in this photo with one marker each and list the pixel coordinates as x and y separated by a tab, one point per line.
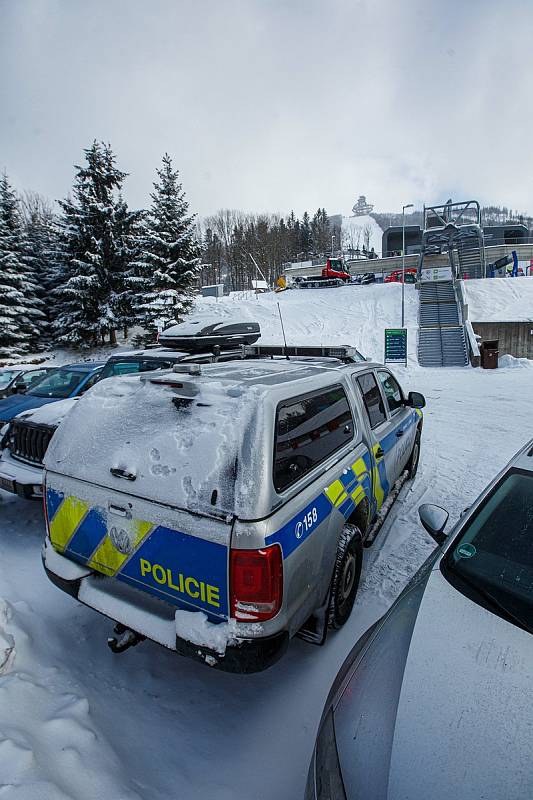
201	335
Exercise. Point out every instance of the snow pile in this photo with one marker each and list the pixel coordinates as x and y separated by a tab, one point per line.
355	231
510	362
354	315
499	299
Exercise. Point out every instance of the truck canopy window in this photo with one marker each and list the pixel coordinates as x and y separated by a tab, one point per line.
308	430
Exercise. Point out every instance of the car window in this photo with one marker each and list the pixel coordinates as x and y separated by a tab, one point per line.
92	380
372	399
308	430
491	560
391	390
6	376
61	383
33	377
131	366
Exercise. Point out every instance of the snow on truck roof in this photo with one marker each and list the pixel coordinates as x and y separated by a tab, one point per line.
191	440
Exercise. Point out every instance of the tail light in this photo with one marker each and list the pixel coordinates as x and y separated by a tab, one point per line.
256	583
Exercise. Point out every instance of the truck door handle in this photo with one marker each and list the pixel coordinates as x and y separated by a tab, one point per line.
379	453
399	433
122	473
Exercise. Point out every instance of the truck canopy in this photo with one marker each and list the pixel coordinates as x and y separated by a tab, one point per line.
182	441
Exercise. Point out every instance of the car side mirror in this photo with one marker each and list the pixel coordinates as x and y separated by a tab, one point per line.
434	519
20	388
416	400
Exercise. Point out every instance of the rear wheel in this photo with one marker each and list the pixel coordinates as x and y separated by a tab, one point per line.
346	576
412	464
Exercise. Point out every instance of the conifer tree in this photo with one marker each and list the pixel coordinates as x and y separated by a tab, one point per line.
40	244
169	254
20	307
91	252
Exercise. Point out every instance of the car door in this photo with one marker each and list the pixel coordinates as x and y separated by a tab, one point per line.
380	427
399	441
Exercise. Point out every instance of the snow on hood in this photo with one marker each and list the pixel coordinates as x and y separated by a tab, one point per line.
51	414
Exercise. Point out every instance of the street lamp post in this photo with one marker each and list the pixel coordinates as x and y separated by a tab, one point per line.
409	205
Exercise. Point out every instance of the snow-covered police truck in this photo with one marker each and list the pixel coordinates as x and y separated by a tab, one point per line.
222	508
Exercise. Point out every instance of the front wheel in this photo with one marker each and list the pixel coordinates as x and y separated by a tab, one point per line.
346	576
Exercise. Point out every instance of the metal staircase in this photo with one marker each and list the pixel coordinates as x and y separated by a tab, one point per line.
470	257
441	339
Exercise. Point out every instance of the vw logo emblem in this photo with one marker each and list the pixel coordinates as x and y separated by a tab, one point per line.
121	540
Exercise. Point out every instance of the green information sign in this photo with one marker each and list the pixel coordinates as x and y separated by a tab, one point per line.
396	345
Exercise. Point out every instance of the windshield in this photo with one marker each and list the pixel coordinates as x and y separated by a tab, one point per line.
6	376
129	366
492	559
61	383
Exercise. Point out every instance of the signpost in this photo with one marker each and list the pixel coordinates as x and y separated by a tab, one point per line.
396	345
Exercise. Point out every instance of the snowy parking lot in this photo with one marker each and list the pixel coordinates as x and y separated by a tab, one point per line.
78	722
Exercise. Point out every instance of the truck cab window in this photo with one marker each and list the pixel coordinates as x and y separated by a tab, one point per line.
392	391
372	399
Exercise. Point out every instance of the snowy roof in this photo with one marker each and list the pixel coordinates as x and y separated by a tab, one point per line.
499	299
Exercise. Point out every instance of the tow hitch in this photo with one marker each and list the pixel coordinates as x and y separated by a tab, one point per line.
124	639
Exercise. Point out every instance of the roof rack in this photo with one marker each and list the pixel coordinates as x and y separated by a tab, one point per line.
345	353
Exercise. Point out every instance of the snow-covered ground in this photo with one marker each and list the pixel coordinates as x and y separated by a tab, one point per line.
78	722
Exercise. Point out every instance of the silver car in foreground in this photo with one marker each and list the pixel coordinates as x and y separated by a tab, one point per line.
436	699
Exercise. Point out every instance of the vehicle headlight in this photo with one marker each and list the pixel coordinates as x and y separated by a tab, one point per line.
324	781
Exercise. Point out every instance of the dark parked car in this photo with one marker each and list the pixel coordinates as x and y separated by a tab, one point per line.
368	277
435	700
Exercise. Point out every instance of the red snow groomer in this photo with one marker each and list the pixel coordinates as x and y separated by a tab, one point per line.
335	273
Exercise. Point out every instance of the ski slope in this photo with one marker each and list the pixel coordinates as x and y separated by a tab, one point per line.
79	723
355	315
353	230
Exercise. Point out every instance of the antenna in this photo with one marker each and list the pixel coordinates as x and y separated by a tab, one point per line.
283	332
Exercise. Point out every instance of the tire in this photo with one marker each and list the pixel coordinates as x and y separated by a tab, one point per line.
414	458
346	576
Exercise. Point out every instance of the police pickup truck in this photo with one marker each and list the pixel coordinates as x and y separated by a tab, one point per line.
221	509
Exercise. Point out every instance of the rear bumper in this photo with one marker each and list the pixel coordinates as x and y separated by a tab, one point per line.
26	479
154	619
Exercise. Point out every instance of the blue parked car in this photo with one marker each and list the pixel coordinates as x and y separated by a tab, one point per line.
67	381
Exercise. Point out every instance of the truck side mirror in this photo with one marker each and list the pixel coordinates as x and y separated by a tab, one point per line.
416	400
434	519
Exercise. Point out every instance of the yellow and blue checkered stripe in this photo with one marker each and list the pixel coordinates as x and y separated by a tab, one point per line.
80	532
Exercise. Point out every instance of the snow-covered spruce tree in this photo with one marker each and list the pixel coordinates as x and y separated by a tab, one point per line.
91	253
169	254
40	244
20	307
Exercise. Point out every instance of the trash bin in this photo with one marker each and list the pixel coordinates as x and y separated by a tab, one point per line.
489	354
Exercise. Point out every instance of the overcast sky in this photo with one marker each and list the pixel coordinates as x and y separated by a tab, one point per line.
270	105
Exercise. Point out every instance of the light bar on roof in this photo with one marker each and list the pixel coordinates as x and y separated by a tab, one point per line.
342	352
